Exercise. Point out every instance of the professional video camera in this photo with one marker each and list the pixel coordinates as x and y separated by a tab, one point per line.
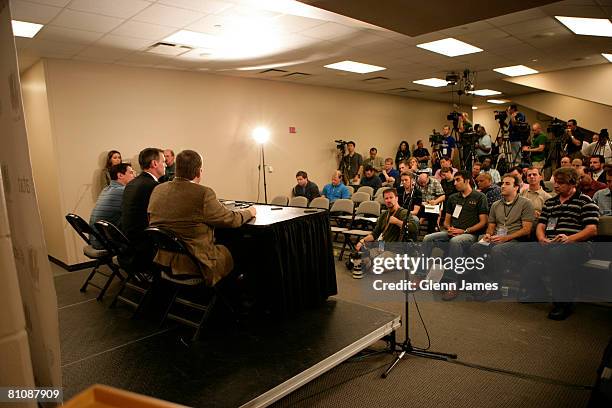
435	138
557	128
341	145
468	138
454	116
501	116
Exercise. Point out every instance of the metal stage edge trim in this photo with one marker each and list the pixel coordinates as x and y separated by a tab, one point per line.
322	366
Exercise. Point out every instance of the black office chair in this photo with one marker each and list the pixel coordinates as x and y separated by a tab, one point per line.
137	280
168	241
101	256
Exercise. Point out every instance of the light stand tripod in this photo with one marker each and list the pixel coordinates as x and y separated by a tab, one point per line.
406	346
261	136
263	164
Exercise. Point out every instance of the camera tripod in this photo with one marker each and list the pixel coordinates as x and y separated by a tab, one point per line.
505	148
406	346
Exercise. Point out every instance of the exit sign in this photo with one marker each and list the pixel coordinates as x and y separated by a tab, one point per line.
292	129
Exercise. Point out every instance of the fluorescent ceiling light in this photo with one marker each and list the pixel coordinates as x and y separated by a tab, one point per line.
516	70
352	66
474	107
191	39
497	101
450	47
25	29
607	56
435	82
485	92
601	27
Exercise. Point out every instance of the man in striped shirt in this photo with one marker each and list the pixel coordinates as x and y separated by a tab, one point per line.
566	223
108	206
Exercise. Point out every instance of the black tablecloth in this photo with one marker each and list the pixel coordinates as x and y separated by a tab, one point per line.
288	258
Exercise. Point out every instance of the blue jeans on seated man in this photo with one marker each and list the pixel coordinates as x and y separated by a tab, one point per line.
457	247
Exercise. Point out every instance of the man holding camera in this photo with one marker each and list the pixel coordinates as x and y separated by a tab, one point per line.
516	137
575	139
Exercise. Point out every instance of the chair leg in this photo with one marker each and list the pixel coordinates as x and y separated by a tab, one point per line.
346	239
108	281
121	289
205	316
91	275
170	304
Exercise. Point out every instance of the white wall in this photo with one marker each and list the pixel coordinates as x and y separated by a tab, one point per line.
96	107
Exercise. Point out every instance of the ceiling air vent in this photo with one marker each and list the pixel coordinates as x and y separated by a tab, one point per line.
168	49
297	75
403	90
272	72
375	80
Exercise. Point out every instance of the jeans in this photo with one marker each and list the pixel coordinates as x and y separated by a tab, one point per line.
457	246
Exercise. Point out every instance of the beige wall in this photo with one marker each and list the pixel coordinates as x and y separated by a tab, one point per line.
44	158
96	107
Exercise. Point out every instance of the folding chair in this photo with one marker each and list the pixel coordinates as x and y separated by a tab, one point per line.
340	209
137	280
298	202
366	189
101	256
366	214
167	241
359	197
351	190
280	200
320	202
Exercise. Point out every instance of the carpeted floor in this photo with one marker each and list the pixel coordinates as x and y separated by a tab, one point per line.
509	355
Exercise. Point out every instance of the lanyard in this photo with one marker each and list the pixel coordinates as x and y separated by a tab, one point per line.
388	223
506	214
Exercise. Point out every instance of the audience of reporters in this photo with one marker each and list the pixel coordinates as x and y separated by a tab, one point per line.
535	193
403	153
421	154
575	138
444	162
113	158
586	184
490	190
597	163
410	197
537	149
600	146
486	168
170	165
433	194
388	175
374	161
603	198
352	163
370	178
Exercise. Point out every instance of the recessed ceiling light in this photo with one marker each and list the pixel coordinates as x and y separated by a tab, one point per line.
601	27
497	101
607	56
192	39
435	82
352	66
450	47
25	29
485	92
515	70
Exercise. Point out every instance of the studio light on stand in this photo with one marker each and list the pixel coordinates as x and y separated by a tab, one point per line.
261	136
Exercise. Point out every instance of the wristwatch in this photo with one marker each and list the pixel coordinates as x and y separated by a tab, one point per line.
467	230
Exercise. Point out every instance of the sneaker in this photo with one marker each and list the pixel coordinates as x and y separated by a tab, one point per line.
561	311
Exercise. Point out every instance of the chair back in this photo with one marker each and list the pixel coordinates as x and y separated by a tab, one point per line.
84	229
117	241
366	189
320	202
368	208
342	205
351	190
168	241
360	197
604	228
548	186
298	202
380	191
280	200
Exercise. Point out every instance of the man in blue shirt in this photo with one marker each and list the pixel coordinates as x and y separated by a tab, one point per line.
336	189
108	206
388	176
449	144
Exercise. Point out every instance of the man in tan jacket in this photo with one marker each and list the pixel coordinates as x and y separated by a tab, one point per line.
192	212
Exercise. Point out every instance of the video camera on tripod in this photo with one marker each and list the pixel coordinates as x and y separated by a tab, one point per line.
557	128
454	116
341	146
435	140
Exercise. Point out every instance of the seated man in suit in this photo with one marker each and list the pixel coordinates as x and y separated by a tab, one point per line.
108	206
134	218
193	217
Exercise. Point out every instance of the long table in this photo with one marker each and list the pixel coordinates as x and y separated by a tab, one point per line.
287	253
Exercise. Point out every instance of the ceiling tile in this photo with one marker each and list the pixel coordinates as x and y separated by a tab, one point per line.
104	53
211	24
328	31
68	35
529	26
561	9
294	24
128	43
113	8
518	17
147	31
169	16
208	6
32	12
86	21
56	47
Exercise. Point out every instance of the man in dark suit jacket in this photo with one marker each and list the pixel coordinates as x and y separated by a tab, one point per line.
134	217
193	217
